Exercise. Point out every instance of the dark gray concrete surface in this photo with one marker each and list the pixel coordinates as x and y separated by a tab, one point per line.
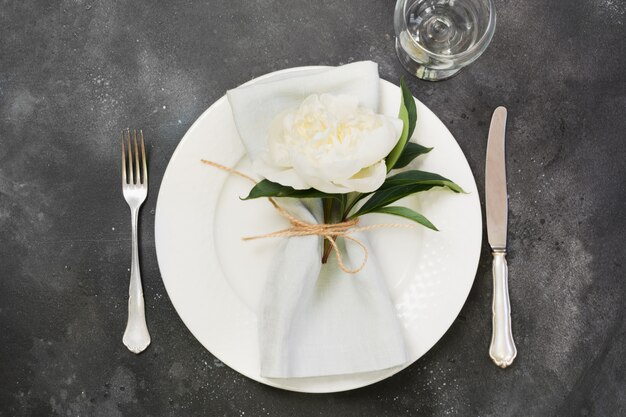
73	73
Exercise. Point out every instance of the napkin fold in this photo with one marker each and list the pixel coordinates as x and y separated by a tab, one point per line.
314	319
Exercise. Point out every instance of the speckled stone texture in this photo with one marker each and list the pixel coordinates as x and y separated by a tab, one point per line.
73	73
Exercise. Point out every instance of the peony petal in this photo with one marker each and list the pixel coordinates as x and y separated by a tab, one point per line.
308	172
376	145
368	179
329	187
289	178
334	169
284	176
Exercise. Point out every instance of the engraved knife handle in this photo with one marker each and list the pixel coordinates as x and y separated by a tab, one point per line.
502	349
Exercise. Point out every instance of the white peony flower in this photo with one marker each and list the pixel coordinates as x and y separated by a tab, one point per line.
329	143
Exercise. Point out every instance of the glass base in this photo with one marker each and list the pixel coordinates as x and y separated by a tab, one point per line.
420	70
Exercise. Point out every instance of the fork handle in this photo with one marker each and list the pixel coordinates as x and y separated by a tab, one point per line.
502	350
136	336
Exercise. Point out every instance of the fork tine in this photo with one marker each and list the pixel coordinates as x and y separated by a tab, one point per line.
130	158
143	159
123	160
136	157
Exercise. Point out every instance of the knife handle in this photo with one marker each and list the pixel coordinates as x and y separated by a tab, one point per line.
502	350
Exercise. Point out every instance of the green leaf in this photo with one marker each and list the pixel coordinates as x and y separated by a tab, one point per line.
411	151
408	115
389	195
420	177
343	202
393	156
402	185
409	103
267	188
406	213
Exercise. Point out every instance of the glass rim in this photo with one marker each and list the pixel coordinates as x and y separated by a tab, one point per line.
482	42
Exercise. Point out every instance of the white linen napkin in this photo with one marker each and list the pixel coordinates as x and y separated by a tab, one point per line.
317	320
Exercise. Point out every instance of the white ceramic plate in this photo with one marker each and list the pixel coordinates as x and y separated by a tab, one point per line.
214	279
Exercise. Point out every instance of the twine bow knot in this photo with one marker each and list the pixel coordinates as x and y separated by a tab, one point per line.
329	231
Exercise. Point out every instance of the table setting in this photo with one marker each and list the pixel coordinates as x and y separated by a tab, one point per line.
395	213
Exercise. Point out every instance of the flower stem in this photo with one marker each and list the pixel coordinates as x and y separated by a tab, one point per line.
353	199
336	211
327	249
328	209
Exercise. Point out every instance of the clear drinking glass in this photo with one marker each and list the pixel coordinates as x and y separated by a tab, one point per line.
436	38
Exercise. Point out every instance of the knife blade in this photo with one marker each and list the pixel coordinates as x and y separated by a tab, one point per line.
502	349
495	181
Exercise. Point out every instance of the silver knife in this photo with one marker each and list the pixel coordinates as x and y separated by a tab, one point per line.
502	349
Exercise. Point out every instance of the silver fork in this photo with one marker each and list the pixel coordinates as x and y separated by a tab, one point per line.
135	188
